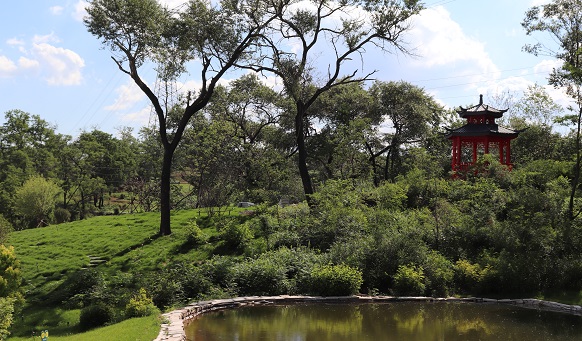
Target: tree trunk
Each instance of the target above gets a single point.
(165, 208)
(302, 152)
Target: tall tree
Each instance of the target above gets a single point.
(28, 146)
(140, 31)
(411, 114)
(345, 119)
(562, 21)
(252, 111)
(535, 114)
(332, 33)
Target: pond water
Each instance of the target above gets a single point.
(405, 321)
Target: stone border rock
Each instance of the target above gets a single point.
(173, 327)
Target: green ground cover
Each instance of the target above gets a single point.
(111, 244)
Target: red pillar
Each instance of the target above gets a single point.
(458, 153)
(454, 152)
(508, 154)
(501, 145)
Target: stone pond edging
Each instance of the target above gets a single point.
(173, 327)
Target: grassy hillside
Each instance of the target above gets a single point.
(112, 245)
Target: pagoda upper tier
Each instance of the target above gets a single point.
(480, 135)
(481, 122)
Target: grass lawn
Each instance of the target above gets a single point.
(143, 328)
(112, 244)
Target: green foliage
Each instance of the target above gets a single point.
(140, 305)
(194, 234)
(439, 274)
(96, 315)
(236, 235)
(5, 229)
(335, 280)
(409, 280)
(467, 276)
(176, 283)
(62, 215)
(78, 288)
(260, 276)
(391, 196)
(6, 316)
(36, 200)
(10, 275)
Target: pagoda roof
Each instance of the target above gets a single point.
(473, 129)
(481, 110)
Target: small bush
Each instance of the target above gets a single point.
(409, 281)
(166, 292)
(335, 280)
(194, 234)
(236, 235)
(96, 316)
(467, 275)
(62, 215)
(140, 305)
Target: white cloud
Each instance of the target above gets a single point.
(7, 67)
(15, 42)
(49, 38)
(56, 10)
(515, 85)
(26, 63)
(79, 10)
(441, 41)
(547, 65)
(141, 117)
(127, 96)
(60, 66)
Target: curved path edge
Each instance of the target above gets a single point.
(173, 327)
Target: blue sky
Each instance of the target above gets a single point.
(52, 67)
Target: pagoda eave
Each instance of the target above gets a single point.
(452, 134)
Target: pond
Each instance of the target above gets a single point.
(405, 321)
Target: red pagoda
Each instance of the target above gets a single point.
(481, 135)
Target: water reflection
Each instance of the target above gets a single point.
(405, 321)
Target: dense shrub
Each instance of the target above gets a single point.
(6, 316)
(176, 283)
(219, 270)
(166, 292)
(62, 215)
(140, 305)
(467, 276)
(260, 276)
(409, 280)
(96, 315)
(439, 274)
(335, 280)
(235, 235)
